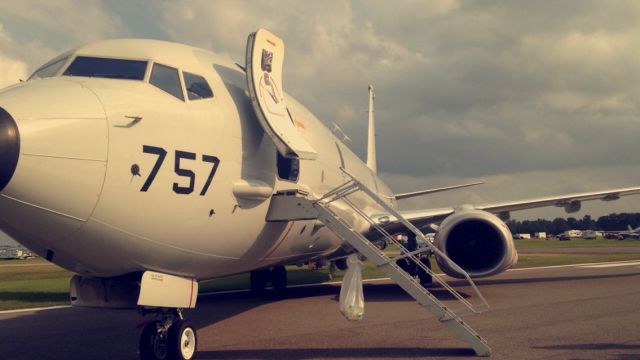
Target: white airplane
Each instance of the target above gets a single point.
(631, 232)
(146, 166)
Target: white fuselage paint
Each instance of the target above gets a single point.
(73, 193)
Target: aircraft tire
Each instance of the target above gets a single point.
(425, 277)
(279, 279)
(258, 281)
(182, 341)
(408, 266)
(341, 264)
(404, 265)
(152, 346)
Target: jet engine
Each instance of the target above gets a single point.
(477, 241)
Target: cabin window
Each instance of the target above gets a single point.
(48, 70)
(288, 169)
(166, 78)
(107, 68)
(197, 87)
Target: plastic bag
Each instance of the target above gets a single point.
(351, 294)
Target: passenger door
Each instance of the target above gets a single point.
(264, 59)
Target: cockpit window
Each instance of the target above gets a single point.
(107, 68)
(197, 86)
(48, 70)
(167, 79)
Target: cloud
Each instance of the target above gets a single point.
(11, 69)
(464, 90)
(330, 52)
(75, 20)
(519, 93)
(39, 30)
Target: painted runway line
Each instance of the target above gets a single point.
(34, 309)
(601, 266)
(584, 266)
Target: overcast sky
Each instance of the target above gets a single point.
(535, 98)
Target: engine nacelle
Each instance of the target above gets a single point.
(477, 241)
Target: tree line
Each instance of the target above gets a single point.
(611, 222)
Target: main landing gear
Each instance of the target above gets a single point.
(277, 276)
(412, 268)
(169, 337)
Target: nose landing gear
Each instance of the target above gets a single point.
(169, 338)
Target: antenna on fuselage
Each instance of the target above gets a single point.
(371, 139)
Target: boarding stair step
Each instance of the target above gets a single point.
(339, 198)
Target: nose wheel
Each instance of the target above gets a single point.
(171, 338)
(182, 340)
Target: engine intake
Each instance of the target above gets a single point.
(477, 241)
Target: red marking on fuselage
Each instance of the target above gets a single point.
(191, 294)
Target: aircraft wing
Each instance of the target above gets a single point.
(571, 203)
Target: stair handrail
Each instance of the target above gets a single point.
(353, 185)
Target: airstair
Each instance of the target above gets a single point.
(327, 209)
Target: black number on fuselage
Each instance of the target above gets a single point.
(183, 190)
(162, 153)
(184, 173)
(215, 161)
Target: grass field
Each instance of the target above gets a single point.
(32, 283)
(36, 283)
(574, 243)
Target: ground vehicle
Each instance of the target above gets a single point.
(613, 236)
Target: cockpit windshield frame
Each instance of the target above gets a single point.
(183, 85)
(107, 67)
(197, 86)
(168, 79)
(50, 69)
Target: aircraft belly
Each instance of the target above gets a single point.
(39, 229)
(122, 251)
(305, 245)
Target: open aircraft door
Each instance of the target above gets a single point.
(264, 59)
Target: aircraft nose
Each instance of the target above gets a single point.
(9, 147)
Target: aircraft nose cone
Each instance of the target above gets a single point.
(9, 147)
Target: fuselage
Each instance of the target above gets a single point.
(121, 175)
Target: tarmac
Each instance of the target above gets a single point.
(563, 312)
